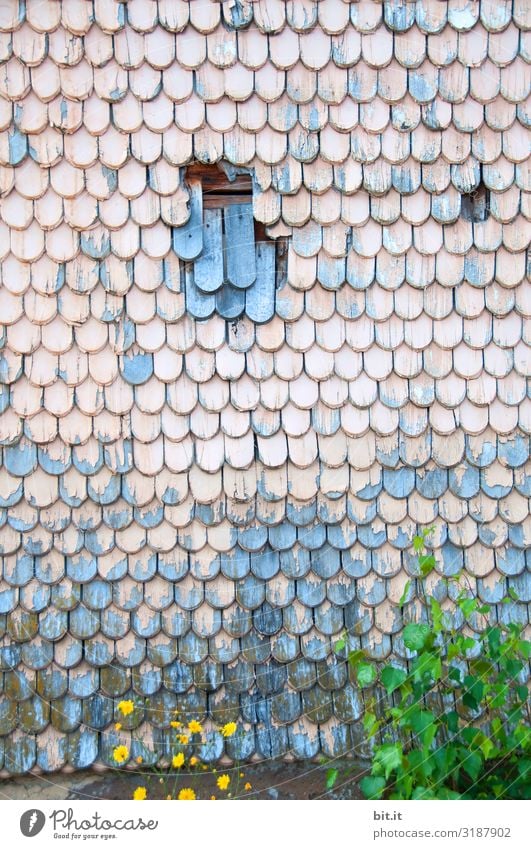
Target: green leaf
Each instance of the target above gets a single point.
(339, 645)
(418, 543)
(513, 667)
(370, 724)
(403, 597)
(424, 725)
(372, 786)
(422, 793)
(392, 678)
(451, 719)
(494, 641)
(389, 756)
(487, 747)
(455, 674)
(355, 657)
(366, 674)
(468, 605)
(475, 686)
(415, 635)
(331, 778)
(446, 794)
(436, 614)
(472, 763)
(524, 768)
(481, 667)
(426, 668)
(522, 692)
(444, 758)
(524, 647)
(453, 651)
(427, 564)
(496, 725)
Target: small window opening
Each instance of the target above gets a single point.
(229, 263)
(475, 205)
(220, 190)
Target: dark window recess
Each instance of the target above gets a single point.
(221, 189)
(475, 205)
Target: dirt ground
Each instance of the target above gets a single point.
(270, 781)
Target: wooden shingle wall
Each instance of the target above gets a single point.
(214, 453)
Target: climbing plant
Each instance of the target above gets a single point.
(456, 720)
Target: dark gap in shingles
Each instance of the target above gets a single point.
(260, 233)
(475, 205)
(281, 263)
(220, 191)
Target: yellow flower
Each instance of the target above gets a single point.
(204, 767)
(212, 798)
(168, 798)
(126, 707)
(121, 754)
(195, 727)
(193, 761)
(183, 739)
(139, 759)
(140, 794)
(248, 786)
(241, 774)
(117, 726)
(175, 724)
(229, 729)
(186, 793)
(223, 781)
(177, 760)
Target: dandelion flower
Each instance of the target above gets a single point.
(140, 794)
(117, 726)
(229, 729)
(248, 786)
(183, 739)
(126, 707)
(175, 724)
(195, 727)
(223, 781)
(186, 793)
(193, 761)
(120, 754)
(177, 760)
